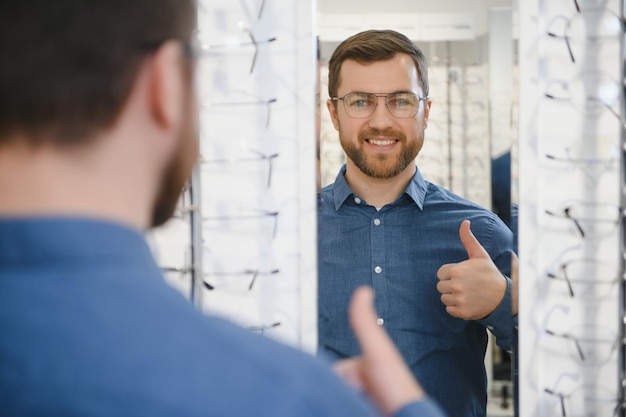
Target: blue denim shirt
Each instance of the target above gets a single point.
(397, 250)
(90, 328)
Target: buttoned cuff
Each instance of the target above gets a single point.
(501, 322)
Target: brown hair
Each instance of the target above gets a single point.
(373, 46)
(68, 65)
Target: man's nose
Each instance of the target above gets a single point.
(381, 117)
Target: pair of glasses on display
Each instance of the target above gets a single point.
(402, 105)
(245, 103)
(588, 345)
(595, 177)
(590, 220)
(245, 222)
(596, 159)
(584, 341)
(587, 30)
(252, 17)
(587, 278)
(209, 48)
(593, 348)
(260, 157)
(587, 401)
(590, 92)
(182, 212)
(259, 13)
(252, 274)
(264, 327)
(591, 167)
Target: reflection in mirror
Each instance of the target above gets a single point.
(468, 146)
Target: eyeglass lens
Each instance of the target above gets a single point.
(360, 105)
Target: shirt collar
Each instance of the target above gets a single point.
(416, 189)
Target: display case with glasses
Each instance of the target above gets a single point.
(176, 245)
(571, 188)
(242, 242)
(257, 103)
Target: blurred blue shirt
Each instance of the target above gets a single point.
(398, 250)
(89, 328)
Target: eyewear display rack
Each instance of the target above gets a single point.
(571, 191)
(244, 244)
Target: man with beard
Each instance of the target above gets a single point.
(382, 224)
(97, 138)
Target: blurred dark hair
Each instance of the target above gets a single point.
(67, 66)
(373, 46)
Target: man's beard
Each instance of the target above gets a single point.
(176, 174)
(381, 166)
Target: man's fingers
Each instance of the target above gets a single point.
(472, 245)
(350, 371)
(386, 379)
(363, 319)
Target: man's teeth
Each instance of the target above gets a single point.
(382, 142)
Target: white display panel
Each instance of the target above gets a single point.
(571, 218)
(255, 181)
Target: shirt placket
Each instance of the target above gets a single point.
(378, 266)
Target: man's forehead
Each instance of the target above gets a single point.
(396, 74)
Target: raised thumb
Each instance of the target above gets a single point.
(472, 245)
(363, 321)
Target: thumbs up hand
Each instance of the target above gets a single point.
(474, 288)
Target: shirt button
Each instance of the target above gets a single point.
(380, 321)
(378, 270)
(357, 200)
(377, 222)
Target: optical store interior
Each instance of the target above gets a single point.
(527, 120)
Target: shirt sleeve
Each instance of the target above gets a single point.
(424, 408)
(501, 322)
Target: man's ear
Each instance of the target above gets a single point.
(332, 109)
(167, 86)
(427, 105)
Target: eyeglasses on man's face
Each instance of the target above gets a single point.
(361, 105)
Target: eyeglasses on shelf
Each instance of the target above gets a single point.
(589, 92)
(260, 157)
(208, 49)
(590, 27)
(245, 103)
(252, 274)
(590, 219)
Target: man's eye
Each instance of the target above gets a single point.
(359, 103)
(403, 101)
